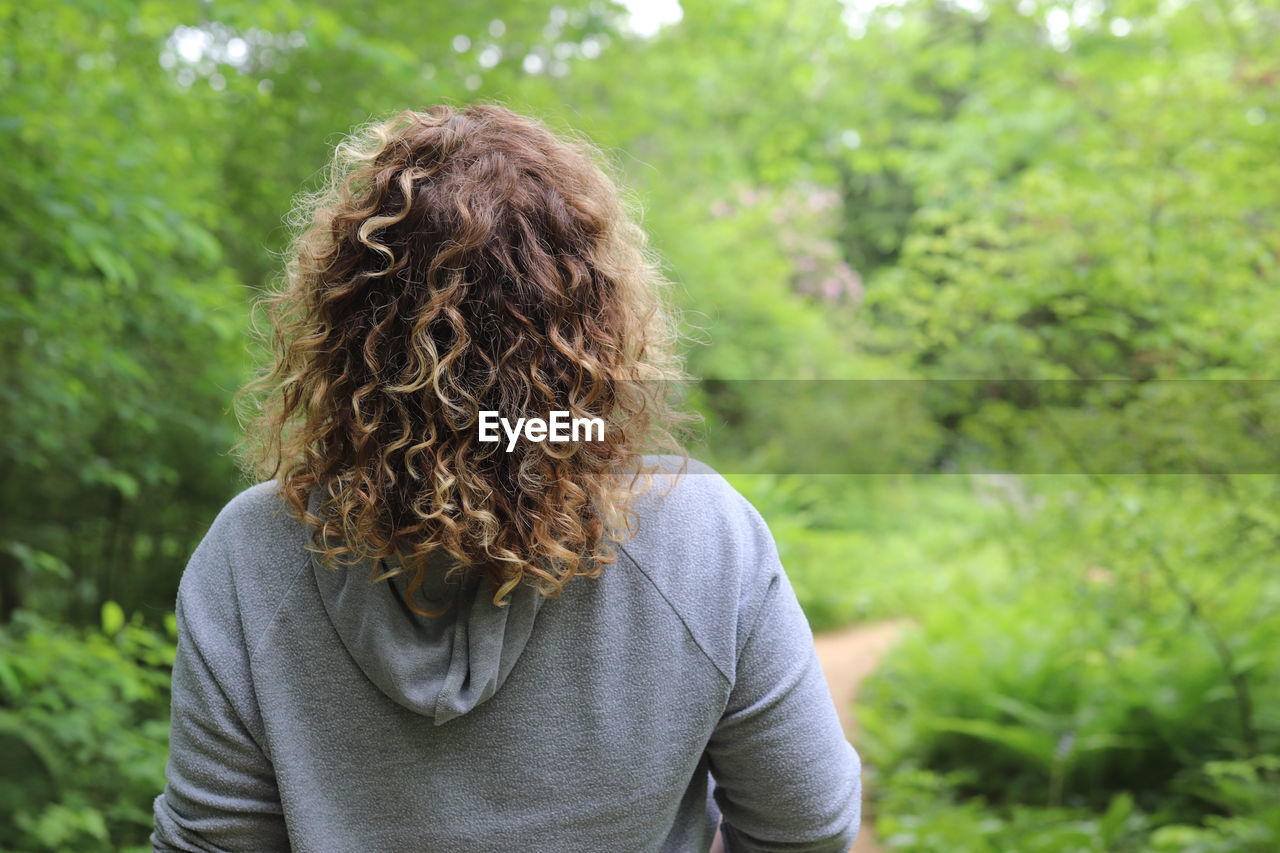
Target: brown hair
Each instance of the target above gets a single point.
(459, 260)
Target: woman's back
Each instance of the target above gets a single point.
(585, 722)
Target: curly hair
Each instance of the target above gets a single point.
(459, 260)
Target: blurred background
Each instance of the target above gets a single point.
(980, 199)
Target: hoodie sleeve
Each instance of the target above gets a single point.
(787, 779)
(220, 792)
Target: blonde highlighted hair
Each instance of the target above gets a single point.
(459, 260)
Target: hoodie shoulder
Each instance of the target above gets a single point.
(708, 551)
(252, 553)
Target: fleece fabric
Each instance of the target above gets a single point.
(314, 711)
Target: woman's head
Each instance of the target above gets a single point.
(459, 261)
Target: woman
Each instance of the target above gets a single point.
(414, 637)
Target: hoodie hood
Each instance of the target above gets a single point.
(437, 666)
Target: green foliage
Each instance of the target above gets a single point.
(1122, 655)
(926, 190)
(1083, 218)
(922, 812)
(83, 732)
(119, 320)
(872, 547)
(1249, 791)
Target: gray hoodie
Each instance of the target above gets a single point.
(313, 710)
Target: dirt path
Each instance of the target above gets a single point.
(847, 657)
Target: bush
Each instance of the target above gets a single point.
(84, 717)
(1126, 664)
(873, 546)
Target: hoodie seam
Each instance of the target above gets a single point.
(275, 614)
(663, 595)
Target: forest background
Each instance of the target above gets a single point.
(1024, 255)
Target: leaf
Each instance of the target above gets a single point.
(115, 268)
(1032, 744)
(38, 562)
(9, 679)
(1117, 813)
(1024, 712)
(14, 727)
(112, 618)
